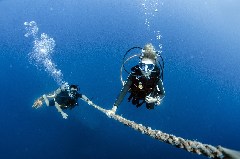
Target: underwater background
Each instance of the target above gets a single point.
(199, 41)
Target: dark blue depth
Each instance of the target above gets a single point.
(201, 77)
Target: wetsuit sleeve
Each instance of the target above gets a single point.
(123, 92)
(85, 98)
(79, 95)
(54, 94)
(58, 91)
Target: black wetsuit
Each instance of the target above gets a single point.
(65, 101)
(140, 86)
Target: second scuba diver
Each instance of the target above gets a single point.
(65, 97)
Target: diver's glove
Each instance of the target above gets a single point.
(64, 115)
(38, 103)
(149, 99)
(112, 111)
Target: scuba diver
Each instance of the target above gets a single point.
(65, 97)
(144, 83)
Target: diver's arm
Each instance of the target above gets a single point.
(85, 98)
(122, 94)
(64, 115)
(51, 95)
(54, 94)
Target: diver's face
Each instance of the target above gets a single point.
(74, 90)
(146, 66)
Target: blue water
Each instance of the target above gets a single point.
(200, 45)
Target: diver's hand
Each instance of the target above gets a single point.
(109, 113)
(64, 115)
(38, 103)
(149, 99)
(112, 111)
(90, 102)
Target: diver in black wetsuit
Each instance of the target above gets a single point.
(65, 97)
(144, 83)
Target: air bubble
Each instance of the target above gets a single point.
(42, 50)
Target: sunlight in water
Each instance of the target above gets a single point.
(42, 50)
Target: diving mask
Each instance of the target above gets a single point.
(146, 67)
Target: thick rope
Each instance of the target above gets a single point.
(188, 145)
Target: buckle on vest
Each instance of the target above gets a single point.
(140, 86)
